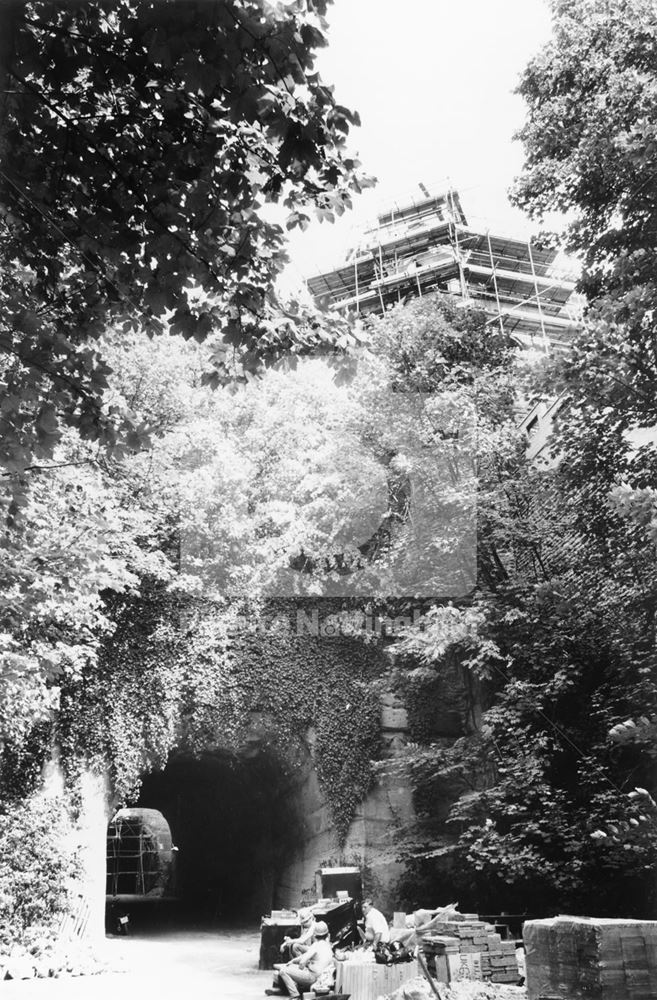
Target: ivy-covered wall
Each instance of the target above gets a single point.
(287, 679)
(183, 675)
(299, 683)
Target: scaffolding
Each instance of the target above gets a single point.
(139, 854)
(427, 245)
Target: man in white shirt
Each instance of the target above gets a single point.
(376, 925)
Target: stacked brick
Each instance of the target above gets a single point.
(474, 937)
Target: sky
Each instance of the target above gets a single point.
(433, 82)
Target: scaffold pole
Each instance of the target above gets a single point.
(497, 294)
(546, 343)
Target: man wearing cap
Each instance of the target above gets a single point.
(301, 944)
(301, 973)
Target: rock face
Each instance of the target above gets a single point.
(579, 958)
(369, 841)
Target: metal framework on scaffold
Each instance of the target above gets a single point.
(427, 245)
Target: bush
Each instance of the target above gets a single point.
(38, 860)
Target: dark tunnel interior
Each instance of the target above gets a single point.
(234, 829)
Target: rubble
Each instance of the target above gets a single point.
(52, 960)
(419, 989)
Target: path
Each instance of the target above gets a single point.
(181, 965)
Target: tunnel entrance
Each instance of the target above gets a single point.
(232, 821)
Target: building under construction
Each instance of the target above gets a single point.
(427, 245)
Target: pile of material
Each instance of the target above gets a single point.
(419, 989)
(589, 958)
(461, 938)
(52, 960)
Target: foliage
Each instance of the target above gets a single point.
(178, 668)
(235, 499)
(309, 480)
(540, 788)
(298, 483)
(149, 598)
(37, 863)
(348, 742)
(229, 493)
(595, 88)
(75, 540)
(140, 143)
(183, 674)
(591, 95)
(534, 803)
(22, 761)
(560, 643)
(590, 151)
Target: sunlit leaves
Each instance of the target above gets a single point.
(140, 141)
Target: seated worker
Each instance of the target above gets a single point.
(376, 925)
(302, 973)
(297, 946)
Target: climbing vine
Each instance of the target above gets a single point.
(181, 674)
(37, 863)
(348, 738)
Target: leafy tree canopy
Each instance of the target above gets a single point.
(590, 151)
(589, 139)
(293, 485)
(140, 141)
(549, 790)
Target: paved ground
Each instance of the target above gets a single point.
(181, 965)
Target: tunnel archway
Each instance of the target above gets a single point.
(233, 822)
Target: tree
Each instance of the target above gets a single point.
(536, 802)
(293, 485)
(589, 138)
(591, 151)
(140, 141)
(549, 809)
(298, 483)
(76, 542)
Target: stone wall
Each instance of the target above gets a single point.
(91, 832)
(369, 842)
